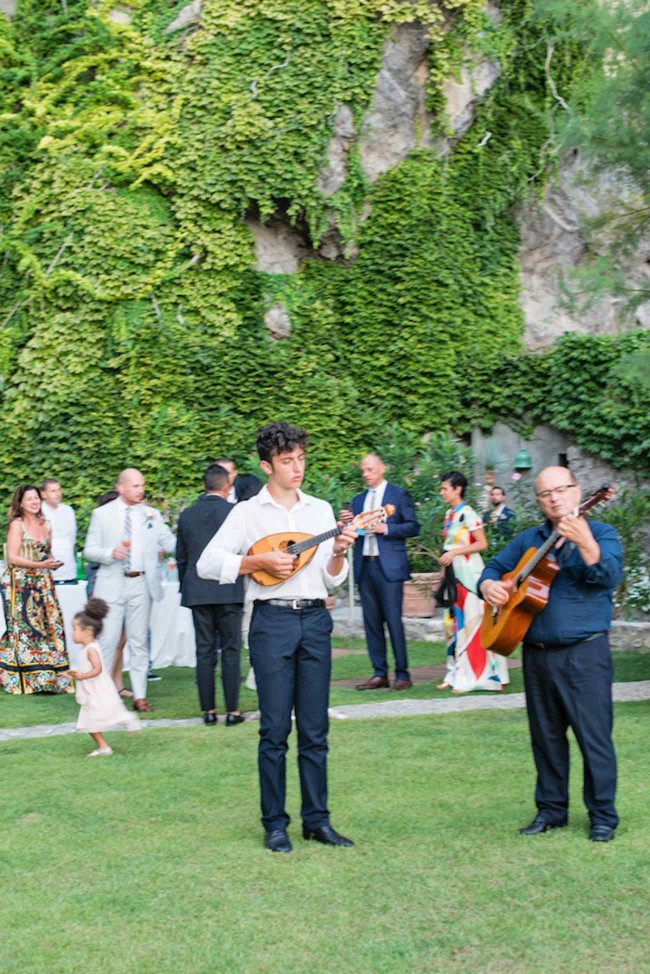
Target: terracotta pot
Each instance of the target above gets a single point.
(418, 600)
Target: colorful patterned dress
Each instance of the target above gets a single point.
(33, 657)
(469, 665)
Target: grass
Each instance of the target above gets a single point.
(176, 697)
(151, 861)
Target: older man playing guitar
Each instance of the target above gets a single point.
(568, 668)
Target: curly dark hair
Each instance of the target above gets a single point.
(279, 438)
(92, 615)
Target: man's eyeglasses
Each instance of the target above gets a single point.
(545, 494)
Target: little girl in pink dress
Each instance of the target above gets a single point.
(101, 706)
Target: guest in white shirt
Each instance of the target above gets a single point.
(289, 638)
(125, 538)
(64, 531)
(229, 464)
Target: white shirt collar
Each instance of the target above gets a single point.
(380, 488)
(264, 497)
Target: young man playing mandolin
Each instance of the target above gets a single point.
(568, 667)
(289, 638)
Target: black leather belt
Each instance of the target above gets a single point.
(371, 557)
(133, 574)
(295, 604)
(578, 642)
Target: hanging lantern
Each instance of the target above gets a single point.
(523, 460)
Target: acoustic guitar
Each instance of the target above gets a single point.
(503, 628)
(304, 546)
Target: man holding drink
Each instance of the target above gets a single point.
(126, 538)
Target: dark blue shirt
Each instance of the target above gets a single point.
(580, 602)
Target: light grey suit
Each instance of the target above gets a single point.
(129, 599)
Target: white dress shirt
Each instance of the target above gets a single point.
(373, 500)
(64, 538)
(251, 520)
(136, 550)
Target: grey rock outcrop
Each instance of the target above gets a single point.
(277, 321)
(462, 94)
(552, 246)
(119, 16)
(333, 174)
(8, 8)
(187, 17)
(279, 248)
(393, 125)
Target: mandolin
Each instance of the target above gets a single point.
(504, 627)
(304, 546)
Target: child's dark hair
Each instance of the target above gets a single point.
(92, 614)
(456, 479)
(279, 438)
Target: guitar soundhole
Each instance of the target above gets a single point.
(287, 544)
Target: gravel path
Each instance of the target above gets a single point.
(622, 693)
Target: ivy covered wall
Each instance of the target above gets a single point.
(132, 160)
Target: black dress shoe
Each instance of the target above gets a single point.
(539, 825)
(326, 835)
(209, 718)
(232, 719)
(601, 833)
(277, 841)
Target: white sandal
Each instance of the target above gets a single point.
(101, 752)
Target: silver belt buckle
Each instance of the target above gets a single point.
(295, 604)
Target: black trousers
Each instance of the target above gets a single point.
(381, 603)
(572, 687)
(291, 654)
(218, 627)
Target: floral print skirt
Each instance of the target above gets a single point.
(33, 657)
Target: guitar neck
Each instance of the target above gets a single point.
(299, 546)
(541, 552)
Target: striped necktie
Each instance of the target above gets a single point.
(127, 537)
(372, 539)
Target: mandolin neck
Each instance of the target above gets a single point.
(300, 546)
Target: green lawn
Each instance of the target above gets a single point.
(151, 862)
(175, 696)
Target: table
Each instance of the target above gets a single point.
(172, 630)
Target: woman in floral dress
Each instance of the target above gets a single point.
(469, 665)
(33, 657)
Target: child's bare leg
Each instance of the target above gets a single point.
(99, 740)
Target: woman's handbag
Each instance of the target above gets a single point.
(447, 592)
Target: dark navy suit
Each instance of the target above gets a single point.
(381, 581)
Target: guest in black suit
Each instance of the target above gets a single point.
(380, 569)
(216, 609)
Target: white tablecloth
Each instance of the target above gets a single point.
(172, 631)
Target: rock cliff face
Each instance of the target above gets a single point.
(552, 246)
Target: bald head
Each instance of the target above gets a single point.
(372, 470)
(552, 473)
(557, 492)
(130, 486)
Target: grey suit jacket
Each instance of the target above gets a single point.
(106, 532)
